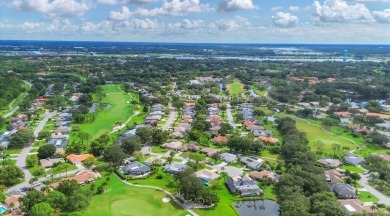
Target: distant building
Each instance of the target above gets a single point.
(135, 168)
(244, 186)
(353, 159)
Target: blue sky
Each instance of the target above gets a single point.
(237, 21)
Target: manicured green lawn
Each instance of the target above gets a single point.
(159, 150)
(124, 200)
(235, 88)
(365, 196)
(352, 169)
(258, 91)
(121, 109)
(269, 193)
(315, 134)
(268, 154)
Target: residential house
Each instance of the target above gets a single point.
(254, 127)
(210, 151)
(18, 126)
(344, 191)
(154, 160)
(206, 176)
(355, 206)
(252, 163)
(329, 162)
(177, 134)
(333, 176)
(60, 144)
(189, 147)
(267, 139)
(244, 186)
(82, 177)
(384, 156)
(343, 114)
(379, 115)
(186, 117)
(78, 159)
(215, 120)
(12, 201)
(228, 157)
(62, 123)
(220, 139)
(174, 167)
(385, 108)
(264, 174)
(353, 159)
(266, 133)
(135, 168)
(187, 126)
(63, 130)
(174, 145)
(49, 162)
(215, 129)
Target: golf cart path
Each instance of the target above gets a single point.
(162, 190)
(13, 110)
(115, 129)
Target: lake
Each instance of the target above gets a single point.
(257, 207)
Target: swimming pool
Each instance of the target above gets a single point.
(2, 209)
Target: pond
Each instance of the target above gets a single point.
(257, 207)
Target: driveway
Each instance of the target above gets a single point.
(230, 170)
(171, 118)
(230, 116)
(364, 182)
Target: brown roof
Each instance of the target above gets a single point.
(385, 156)
(189, 147)
(259, 175)
(381, 116)
(78, 158)
(81, 177)
(268, 139)
(354, 206)
(189, 104)
(221, 139)
(215, 119)
(210, 151)
(254, 127)
(343, 114)
(13, 199)
(187, 117)
(333, 175)
(248, 122)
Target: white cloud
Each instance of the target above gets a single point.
(139, 2)
(175, 8)
(145, 23)
(373, 0)
(123, 14)
(284, 20)
(228, 25)
(107, 2)
(382, 16)
(187, 24)
(277, 8)
(340, 11)
(30, 25)
(235, 5)
(55, 8)
(293, 8)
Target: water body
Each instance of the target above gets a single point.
(257, 207)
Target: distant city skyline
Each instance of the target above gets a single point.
(198, 21)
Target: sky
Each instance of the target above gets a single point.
(211, 21)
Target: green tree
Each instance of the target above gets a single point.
(42, 209)
(46, 151)
(32, 198)
(22, 139)
(131, 144)
(114, 155)
(44, 135)
(145, 134)
(56, 199)
(2, 121)
(10, 175)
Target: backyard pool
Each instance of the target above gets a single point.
(2, 209)
(257, 207)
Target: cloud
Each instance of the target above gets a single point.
(293, 8)
(187, 24)
(229, 25)
(373, 0)
(382, 16)
(175, 8)
(30, 25)
(55, 8)
(123, 14)
(284, 20)
(235, 5)
(139, 2)
(277, 8)
(107, 2)
(340, 11)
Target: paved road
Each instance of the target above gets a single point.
(364, 182)
(171, 118)
(230, 116)
(184, 206)
(21, 161)
(10, 113)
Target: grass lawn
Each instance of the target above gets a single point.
(119, 111)
(124, 200)
(13, 151)
(269, 193)
(365, 196)
(352, 169)
(235, 88)
(315, 134)
(268, 154)
(167, 181)
(158, 150)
